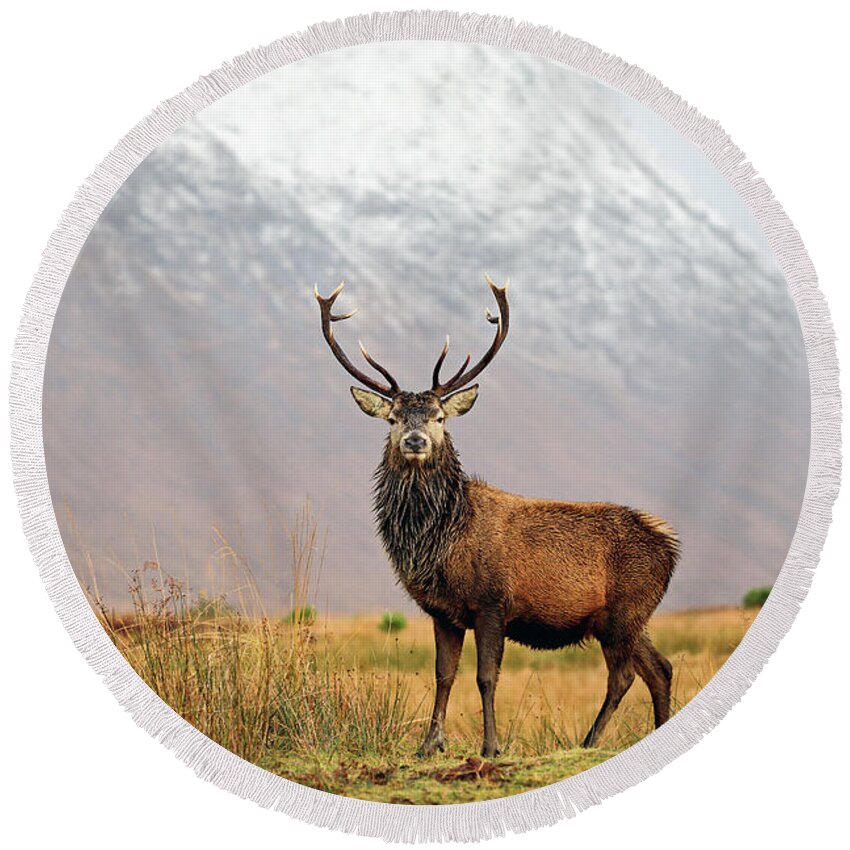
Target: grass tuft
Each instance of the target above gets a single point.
(392, 621)
(756, 597)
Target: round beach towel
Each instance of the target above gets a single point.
(426, 410)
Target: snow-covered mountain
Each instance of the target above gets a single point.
(654, 359)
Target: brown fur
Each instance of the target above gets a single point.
(555, 574)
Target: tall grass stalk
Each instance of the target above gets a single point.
(253, 683)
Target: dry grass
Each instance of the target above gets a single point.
(339, 703)
(545, 700)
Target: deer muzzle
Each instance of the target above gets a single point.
(415, 444)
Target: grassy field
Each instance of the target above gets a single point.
(342, 703)
(338, 704)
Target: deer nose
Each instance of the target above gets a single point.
(414, 442)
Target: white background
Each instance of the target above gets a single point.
(76, 78)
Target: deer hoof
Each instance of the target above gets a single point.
(431, 745)
(491, 750)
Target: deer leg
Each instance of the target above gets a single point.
(657, 672)
(449, 641)
(490, 644)
(621, 674)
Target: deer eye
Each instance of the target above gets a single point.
(441, 419)
(391, 420)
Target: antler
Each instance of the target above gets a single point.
(461, 378)
(325, 305)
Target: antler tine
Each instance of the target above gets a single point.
(435, 378)
(325, 305)
(436, 386)
(377, 366)
(461, 378)
(459, 372)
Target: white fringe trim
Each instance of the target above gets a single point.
(409, 823)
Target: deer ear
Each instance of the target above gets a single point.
(460, 402)
(372, 404)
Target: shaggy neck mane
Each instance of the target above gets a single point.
(421, 512)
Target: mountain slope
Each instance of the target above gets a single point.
(655, 357)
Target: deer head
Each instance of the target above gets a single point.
(416, 420)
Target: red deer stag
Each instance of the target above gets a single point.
(545, 574)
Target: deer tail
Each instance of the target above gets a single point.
(666, 536)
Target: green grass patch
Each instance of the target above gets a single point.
(756, 597)
(456, 777)
(304, 616)
(392, 622)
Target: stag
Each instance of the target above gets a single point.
(546, 574)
